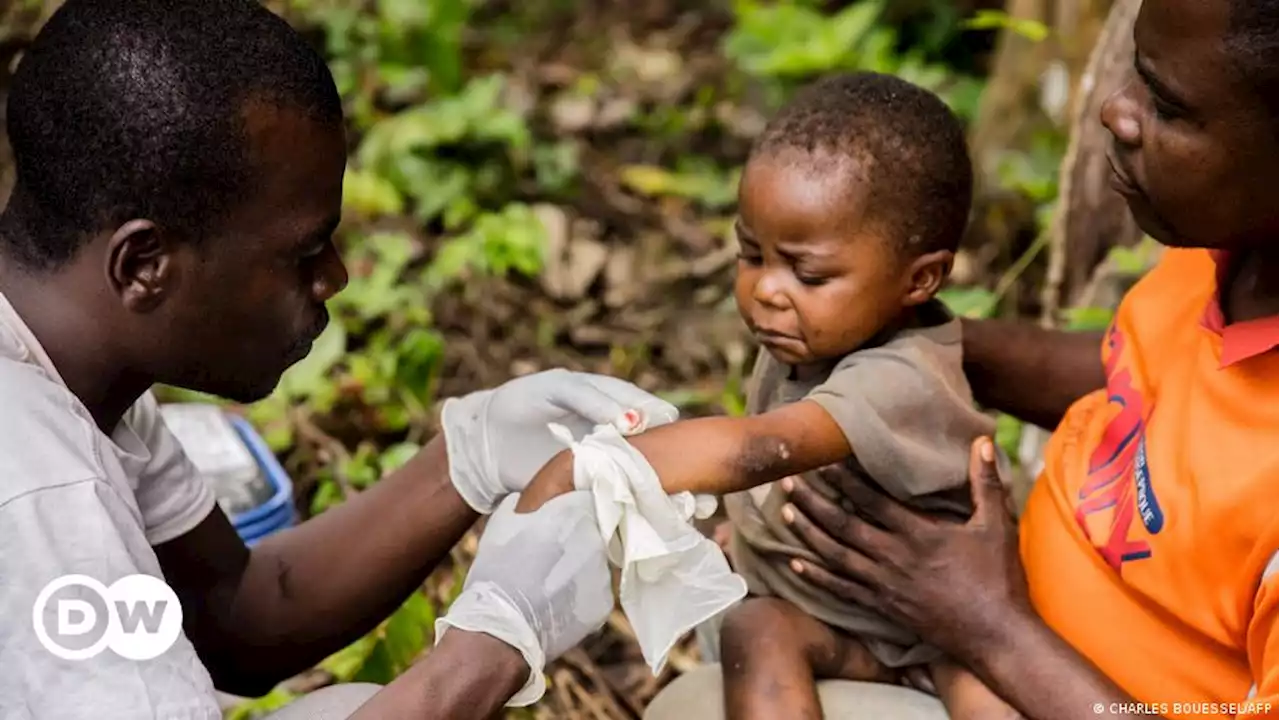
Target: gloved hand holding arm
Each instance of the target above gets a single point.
(306, 593)
(539, 585)
(498, 439)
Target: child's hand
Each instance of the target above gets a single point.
(554, 479)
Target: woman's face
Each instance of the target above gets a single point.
(1194, 148)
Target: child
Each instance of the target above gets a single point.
(851, 208)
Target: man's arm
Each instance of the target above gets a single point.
(719, 455)
(468, 675)
(259, 617)
(1030, 372)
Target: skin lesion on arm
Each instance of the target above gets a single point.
(718, 455)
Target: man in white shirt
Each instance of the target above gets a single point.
(179, 175)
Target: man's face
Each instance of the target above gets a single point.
(251, 299)
(814, 283)
(1194, 151)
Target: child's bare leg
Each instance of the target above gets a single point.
(965, 696)
(772, 653)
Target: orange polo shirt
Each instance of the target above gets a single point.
(1150, 539)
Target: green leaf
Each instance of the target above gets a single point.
(406, 631)
(969, 302)
(378, 667)
(327, 495)
(1087, 318)
(394, 457)
(1134, 261)
(1008, 434)
(370, 195)
(345, 663)
(1033, 30)
(259, 707)
(420, 353)
(311, 374)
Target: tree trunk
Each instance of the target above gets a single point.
(1033, 87)
(1091, 218)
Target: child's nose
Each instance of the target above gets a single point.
(768, 291)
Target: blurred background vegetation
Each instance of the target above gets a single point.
(552, 183)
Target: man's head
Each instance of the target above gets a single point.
(1194, 131)
(851, 208)
(179, 172)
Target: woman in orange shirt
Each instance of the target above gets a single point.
(1142, 579)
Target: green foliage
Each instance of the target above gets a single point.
(1000, 20)
(695, 179)
(498, 243)
(414, 151)
(1034, 173)
(969, 301)
(390, 51)
(792, 42)
(390, 649)
(261, 707)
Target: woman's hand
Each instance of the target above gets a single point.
(956, 584)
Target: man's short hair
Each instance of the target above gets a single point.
(908, 145)
(123, 109)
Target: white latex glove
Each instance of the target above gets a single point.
(540, 583)
(498, 439)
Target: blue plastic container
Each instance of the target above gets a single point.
(275, 514)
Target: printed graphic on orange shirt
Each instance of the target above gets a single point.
(1119, 483)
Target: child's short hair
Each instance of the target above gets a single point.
(908, 144)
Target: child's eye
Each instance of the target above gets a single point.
(748, 258)
(811, 280)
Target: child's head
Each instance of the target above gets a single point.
(1193, 147)
(851, 207)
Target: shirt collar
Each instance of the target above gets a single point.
(1240, 340)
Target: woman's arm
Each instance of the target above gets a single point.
(1030, 372)
(719, 455)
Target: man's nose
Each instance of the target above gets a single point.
(332, 277)
(1120, 116)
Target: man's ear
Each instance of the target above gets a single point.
(140, 265)
(926, 274)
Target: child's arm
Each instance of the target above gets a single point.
(719, 455)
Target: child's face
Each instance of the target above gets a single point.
(1193, 150)
(814, 282)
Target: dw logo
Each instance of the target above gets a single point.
(76, 617)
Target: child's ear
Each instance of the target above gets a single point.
(926, 274)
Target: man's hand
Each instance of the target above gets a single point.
(498, 439)
(953, 583)
(540, 582)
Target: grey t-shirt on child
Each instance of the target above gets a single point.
(908, 414)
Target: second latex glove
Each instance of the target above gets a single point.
(540, 583)
(498, 439)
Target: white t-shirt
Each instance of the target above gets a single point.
(75, 501)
